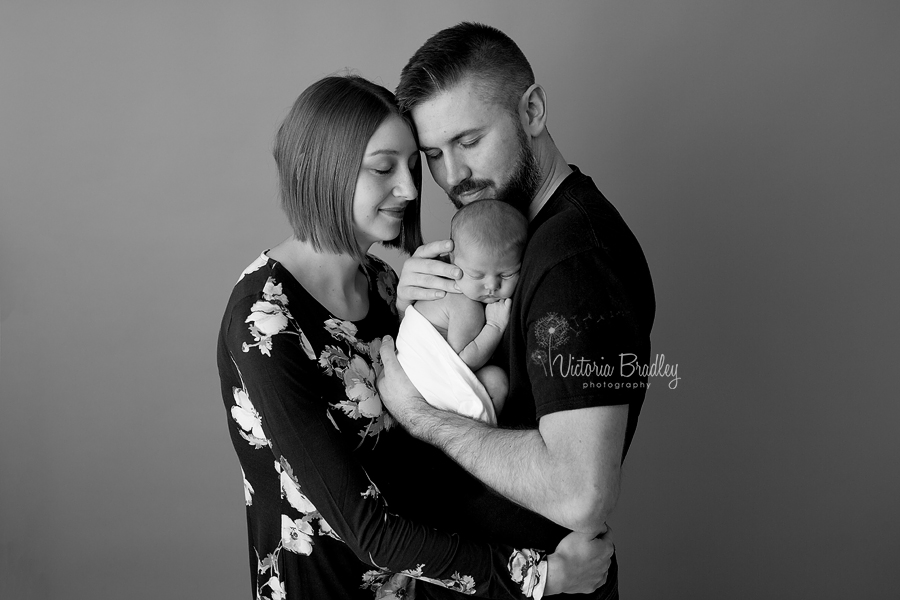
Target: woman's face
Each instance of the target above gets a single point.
(385, 184)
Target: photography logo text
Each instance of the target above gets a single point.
(553, 331)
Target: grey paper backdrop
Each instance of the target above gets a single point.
(753, 147)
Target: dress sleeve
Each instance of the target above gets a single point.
(282, 407)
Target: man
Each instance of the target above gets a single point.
(584, 304)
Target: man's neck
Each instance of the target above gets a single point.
(554, 168)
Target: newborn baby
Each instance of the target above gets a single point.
(488, 240)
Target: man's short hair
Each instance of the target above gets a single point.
(462, 51)
(492, 225)
(319, 149)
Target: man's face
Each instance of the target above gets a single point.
(476, 149)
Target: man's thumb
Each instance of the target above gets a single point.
(387, 346)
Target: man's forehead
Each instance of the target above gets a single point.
(447, 113)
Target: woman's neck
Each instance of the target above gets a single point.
(334, 280)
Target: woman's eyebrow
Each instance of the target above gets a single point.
(389, 151)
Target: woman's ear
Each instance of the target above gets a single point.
(533, 110)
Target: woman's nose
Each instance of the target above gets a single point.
(406, 187)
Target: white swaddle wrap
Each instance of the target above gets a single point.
(440, 375)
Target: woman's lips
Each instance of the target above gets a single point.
(394, 211)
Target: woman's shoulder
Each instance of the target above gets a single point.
(261, 261)
(376, 266)
(383, 279)
(265, 281)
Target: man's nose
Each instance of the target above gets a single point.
(456, 170)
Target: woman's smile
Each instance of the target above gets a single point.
(394, 211)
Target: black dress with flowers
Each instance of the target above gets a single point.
(328, 483)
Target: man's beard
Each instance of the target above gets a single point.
(519, 191)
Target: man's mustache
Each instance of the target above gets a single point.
(469, 185)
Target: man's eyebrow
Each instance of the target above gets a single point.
(455, 138)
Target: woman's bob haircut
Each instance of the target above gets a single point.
(319, 149)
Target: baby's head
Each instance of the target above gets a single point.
(488, 240)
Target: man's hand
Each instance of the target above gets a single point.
(425, 278)
(398, 394)
(497, 313)
(579, 564)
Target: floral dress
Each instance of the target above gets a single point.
(323, 465)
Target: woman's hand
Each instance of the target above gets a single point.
(425, 278)
(579, 564)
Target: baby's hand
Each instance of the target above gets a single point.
(497, 313)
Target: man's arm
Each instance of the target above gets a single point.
(566, 470)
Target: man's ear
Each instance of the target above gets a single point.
(533, 110)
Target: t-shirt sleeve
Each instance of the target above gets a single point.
(583, 339)
(280, 409)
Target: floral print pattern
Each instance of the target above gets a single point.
(245, 415)
(290, 488)
(387, 288)
(358, 365)
(262, 333)
(523, 568)
(248, 490)
(256, 265)
(377, 578)
(269, 317)
(296, 535)
(269, 564)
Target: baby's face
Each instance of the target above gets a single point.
(487, 276)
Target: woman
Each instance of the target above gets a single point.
(298, 356)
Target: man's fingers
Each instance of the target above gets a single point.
(433, 249)
(388, 352)
(411, 294)
(424, 267)
(433, 282)
(426, 280)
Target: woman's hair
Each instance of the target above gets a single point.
(319, 149)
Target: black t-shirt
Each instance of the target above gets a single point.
(584, 298)
(584, 304)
